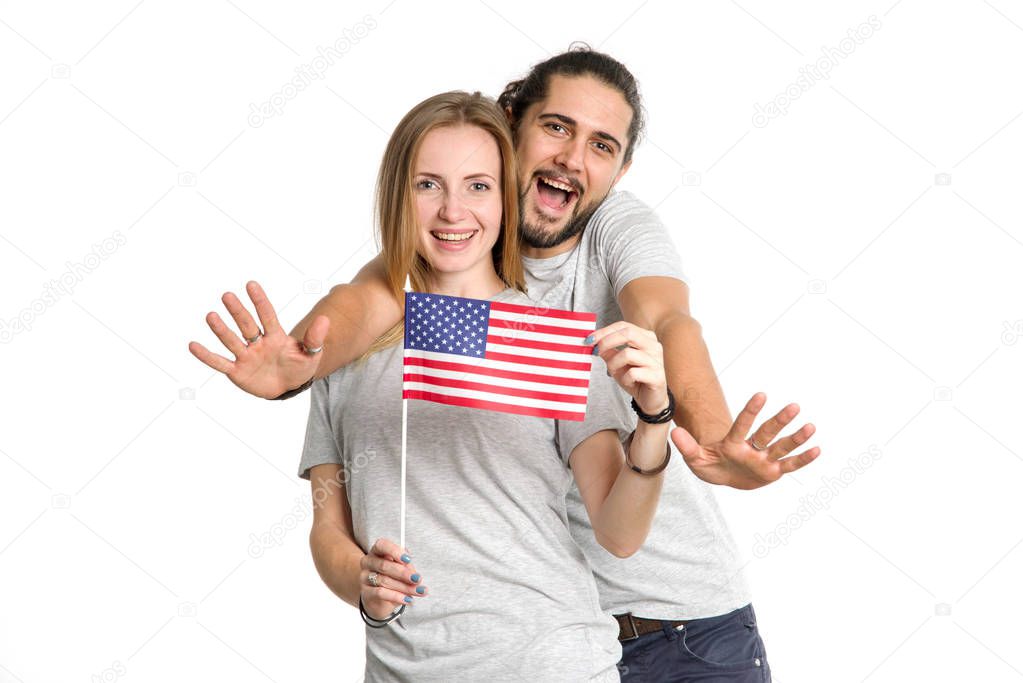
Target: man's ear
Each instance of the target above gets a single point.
(625, 167)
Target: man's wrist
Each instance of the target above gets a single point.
(296, 391)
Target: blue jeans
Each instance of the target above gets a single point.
(724, 649)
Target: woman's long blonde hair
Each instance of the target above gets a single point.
(395, 199)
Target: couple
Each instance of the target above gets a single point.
(513, 597)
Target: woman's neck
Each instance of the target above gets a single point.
(470, 285)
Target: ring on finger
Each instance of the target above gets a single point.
(311, 351)
(753, 442)
(373, 579)
(253, 340)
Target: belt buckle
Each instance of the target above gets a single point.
(632, 623)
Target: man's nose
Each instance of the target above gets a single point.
(571, 155)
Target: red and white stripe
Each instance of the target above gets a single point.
(536, 364)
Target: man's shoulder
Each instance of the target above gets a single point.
(619, 203)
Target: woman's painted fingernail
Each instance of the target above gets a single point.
(596, 350)
(420, 589)
(406, 559)
(588, 340)
(415, 578)
(408, 598)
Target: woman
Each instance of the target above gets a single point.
(510, 595)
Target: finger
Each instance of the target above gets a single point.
(385, 547)
(766, 432)
(799, 461)
(316, 334)
(381, 602)
(741, 426)
(246, 325)
(264, 309)
(638, 358)
(684, 442)
(386, 567)
(225, 335)
(413, 589)
(215, 361)
(788, 444)
(623, 334)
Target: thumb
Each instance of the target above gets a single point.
(316, 333)
(684, 442)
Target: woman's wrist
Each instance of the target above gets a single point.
(647, 447)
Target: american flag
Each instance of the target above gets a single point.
(527, 360)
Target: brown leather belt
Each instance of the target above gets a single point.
(630, 627)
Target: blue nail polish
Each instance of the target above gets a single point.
(408, 598)
(588, 340)
(415, 578)
(420, 589)
(406, 559)
(596, 350)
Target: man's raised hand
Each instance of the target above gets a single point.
(270, 362)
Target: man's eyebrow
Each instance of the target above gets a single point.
(568, 121)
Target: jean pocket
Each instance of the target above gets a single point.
(730, 641)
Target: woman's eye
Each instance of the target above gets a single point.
(426, 185)
(480, 187)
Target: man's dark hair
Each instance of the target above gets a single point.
(579, 60)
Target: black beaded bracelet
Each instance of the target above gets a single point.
(373, 622)
(659, 418)
(296, 391)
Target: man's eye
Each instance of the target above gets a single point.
(602, 147)
(556, 127)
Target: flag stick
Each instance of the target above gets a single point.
(404, 441)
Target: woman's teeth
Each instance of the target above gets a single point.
(454, 236)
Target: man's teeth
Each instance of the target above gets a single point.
(556, 184)
(454, 236)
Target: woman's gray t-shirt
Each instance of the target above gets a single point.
(511, 596)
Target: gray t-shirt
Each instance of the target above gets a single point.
(511, 596)
(689, 567)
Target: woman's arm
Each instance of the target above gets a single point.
(342, 564)
(620, 502)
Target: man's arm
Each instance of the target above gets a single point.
(718, 450)
(359, 312)
(661, 304)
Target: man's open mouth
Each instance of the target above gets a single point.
(555, 193)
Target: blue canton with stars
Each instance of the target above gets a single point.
(446, 324)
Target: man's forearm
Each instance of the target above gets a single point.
(337, 559)
(700, 405)
(353, 327)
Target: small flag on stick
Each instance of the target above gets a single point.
(491, 355)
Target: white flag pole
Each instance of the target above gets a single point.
(404, 439)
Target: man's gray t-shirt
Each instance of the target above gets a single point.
(689, 567)
(511, 596)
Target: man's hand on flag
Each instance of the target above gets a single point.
(395, 577)
(272, 364)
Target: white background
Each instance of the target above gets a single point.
(832, 264)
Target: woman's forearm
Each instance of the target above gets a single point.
(624, 519)
(337, 558)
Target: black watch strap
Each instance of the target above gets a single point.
(296, 391)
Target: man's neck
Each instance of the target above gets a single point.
(548, 252)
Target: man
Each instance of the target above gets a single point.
(681, 602)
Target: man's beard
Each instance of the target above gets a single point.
(535, 236)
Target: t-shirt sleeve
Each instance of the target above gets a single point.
(320, 446)
(632, 242)
(607, 407)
